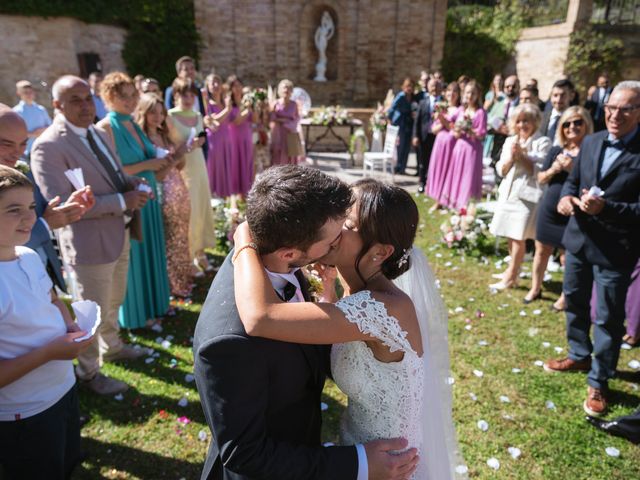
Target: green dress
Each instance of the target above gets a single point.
(147, 281)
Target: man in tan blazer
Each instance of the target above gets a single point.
(96, 247)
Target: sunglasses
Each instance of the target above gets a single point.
(578, 123)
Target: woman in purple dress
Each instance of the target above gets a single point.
(241, 137)
(469, 126)
(442, 147)
(219, 154)
(285, 140)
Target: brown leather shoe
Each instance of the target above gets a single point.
(568, 365)
(596, 402)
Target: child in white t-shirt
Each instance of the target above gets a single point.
(39, 421)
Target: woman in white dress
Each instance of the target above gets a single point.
(519, 193)
(390, 347)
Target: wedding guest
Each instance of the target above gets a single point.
(34, 115)
(95, 79)
(519, 193)
(499, 114)
(96, 246)
(186, 70)
(440, 162)
(261, 130)
(240, 135)
(150, 115)
(285, 140)
(575, 124)
(50, 215)
(423, 137)
(462, 82)
(597, 97)
(39, 418)
(184, 122)
(147, 299)
(558, 103)
(402, 114)
(602, 240)
(469, 126)
(151, 85)
(137, 80)
(220, 154)
(495, 93)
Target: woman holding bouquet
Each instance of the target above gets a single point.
(285, 140)
(519, 193)
(147, 298)
(241, 136)
(443, 145)
(219, 154)
(469, 126)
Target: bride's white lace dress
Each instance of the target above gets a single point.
(385, 399)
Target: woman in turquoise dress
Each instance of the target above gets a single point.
(147, 298)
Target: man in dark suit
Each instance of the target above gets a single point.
(597, 97)
(261, 398)
(602, 239)
(423, 138)
(51, 215)
(559, 101)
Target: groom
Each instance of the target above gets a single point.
(261, 398)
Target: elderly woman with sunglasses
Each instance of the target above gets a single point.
(575, 123)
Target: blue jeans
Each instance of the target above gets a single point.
(611, 289)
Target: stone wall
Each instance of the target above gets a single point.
(42, 49)
(375, 45)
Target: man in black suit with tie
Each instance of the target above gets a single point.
(597, 97)
(559, 101)
(423, 138)
(261, 397)
(602, 239)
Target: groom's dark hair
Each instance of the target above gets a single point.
(288, 205)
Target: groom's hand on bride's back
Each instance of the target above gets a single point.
(385, 464)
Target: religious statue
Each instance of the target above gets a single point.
(323, 34)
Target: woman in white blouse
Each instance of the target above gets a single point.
(519, 193)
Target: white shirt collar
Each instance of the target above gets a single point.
(81, 132)
(280, 280)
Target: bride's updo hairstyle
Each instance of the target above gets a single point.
(386, 214)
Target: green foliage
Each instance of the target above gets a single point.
(159, 31)
(591, 51)
(479, 39)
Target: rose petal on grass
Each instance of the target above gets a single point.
(478, 373)
(166, 344)
(462, 469)
(184, 420)
(202, 436)
(558, 349)
(504, 399)
(324, 407)
(156, 327)
(537, 311)
(550, 405)
(467, 327)
(159, 340)
(546, 344)
(523, 313)
(459, 309)
(189, 378)
(119, 397)
(493, 463)
(539, 363)
(149, 360)
(635, 364)
(483, 343)
(183, 402)
(612, 451)
(473, 396)
(515, 370)
(625, 346)
(515, 452)
(483, 425)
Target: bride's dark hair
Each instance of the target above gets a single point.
(386, 214)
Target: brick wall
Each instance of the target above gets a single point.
(376, 43)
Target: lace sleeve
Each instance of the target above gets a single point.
(372, 318)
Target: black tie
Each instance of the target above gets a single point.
(106, 163)
(288, 292)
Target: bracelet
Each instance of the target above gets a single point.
(250, 245)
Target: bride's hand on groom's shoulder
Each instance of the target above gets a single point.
(327, 275)
(386, 464)
(242, 235)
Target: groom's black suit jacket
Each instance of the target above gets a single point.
(261, 399)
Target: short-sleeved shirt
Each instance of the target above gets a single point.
(29, 320)
(35, 116)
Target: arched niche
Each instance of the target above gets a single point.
(310, 20)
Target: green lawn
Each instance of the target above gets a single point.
(141, 435)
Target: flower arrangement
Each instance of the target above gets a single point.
(227, 219)
(464, 124)
(332, 115)
(440, 107)
(467, 232)
(378, 121)
(254, 98)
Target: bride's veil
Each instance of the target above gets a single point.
(440, 452)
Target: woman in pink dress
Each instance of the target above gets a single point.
(240, 134)
(219, 155)
(442, 147)
(285, 120)
(469, 126)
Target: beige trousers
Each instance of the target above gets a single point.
(105, 284)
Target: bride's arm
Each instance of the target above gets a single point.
(263, 314)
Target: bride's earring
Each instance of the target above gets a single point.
(375, 259)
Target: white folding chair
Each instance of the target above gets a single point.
(385, 160)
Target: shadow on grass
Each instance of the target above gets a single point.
(132, 461)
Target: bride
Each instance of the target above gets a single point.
(390, 352)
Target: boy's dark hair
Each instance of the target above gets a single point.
(184, 59)
(288, 205)
(564, 83)
(12, 178)
(532, 90)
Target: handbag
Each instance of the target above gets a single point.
(529, 190)
(294, 147)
